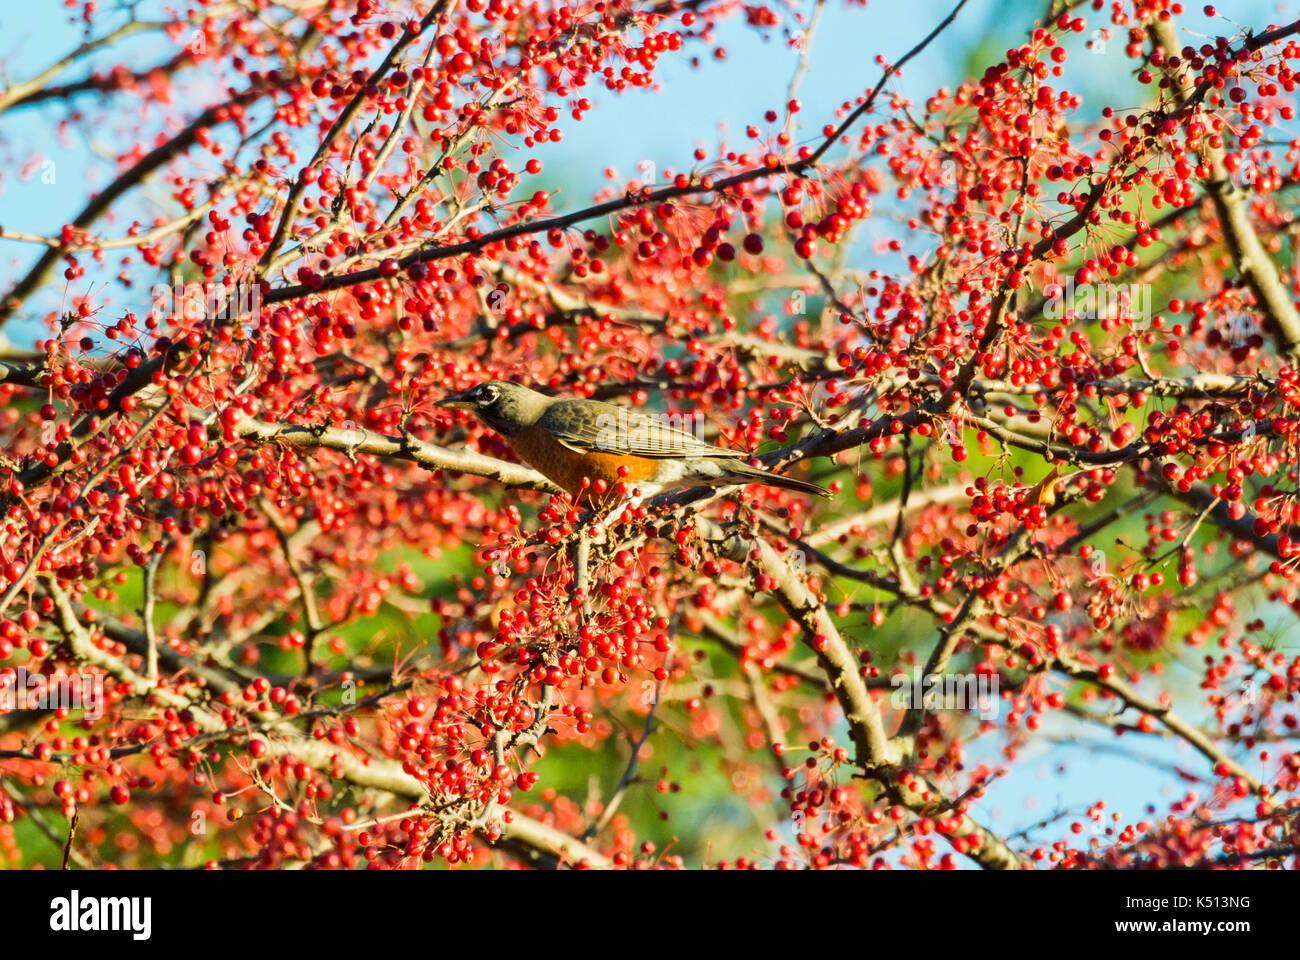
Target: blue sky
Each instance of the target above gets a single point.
(664, 127)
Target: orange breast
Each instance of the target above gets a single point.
(566, 468)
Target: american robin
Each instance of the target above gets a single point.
(569, 439)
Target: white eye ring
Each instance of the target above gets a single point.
(489, 394)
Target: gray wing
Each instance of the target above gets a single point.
(608, 428)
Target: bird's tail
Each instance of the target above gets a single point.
(744, 473)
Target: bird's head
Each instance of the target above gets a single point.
(505, 407)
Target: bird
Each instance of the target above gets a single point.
(569, 440)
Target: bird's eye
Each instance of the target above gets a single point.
(487, 394)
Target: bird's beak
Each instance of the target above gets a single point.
(456, 401)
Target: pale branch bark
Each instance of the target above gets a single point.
(1194, 386)
(536, 841)
(216, 677)
(371, 772)
(147, 614)
(82, 644)
(382, 774)
(875, 750)
(1131, 453)
(878, 756)
(1252, 260)
(356, 440)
